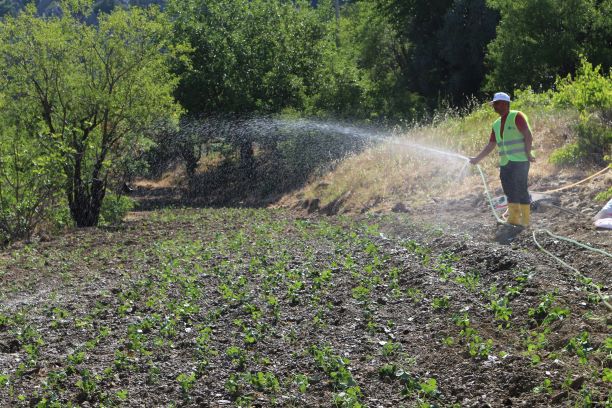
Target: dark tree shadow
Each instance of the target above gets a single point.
(264, 159)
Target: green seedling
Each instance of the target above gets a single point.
(544, 313)
(470, 280)
(237, 356)
(441, 303)
(390, 348)
(502, 311)
(186, 382)
(581, 346)
(545, 387)
(302, 382)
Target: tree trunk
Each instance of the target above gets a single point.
(247, 160)
(85, 205)
(85, 202)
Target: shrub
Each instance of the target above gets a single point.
(28, 183)
(567, 155)
(115, 208)
(590, 93)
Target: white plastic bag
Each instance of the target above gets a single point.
(606, 211)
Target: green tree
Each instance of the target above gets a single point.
(28, 181)
(540, 39)
(87, 93)
(469, 25)
(445, 43)
(361, 73)
(248, 55)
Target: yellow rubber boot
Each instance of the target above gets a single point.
(525, 214)
(514, 214)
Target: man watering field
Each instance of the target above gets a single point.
(512, 136)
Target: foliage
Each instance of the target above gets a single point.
(88, 94)
(247, 55)
(590, 93)
(443, 45)
(28, 181)
(540, 39)
(114, 208)
(604, 195)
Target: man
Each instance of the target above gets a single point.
(512, 136)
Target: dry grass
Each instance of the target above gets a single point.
(173, 177)
(387, 174)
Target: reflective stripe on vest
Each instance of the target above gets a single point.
(512, 146)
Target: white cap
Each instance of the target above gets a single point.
(501, 96)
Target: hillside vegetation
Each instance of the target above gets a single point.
(571, 127)
(97, 94)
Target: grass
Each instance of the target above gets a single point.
(387, 174)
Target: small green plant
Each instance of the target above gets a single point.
(186, 382)
(606, 375)
(441, 303)
(536, 341)
(263, 381)
(4, 380)
(502, 311)
(545, 387)
(422, 252)
(581, 346)
(349, 398)
(477, 347)
(415, 295)
(361, 293)
(238, 356)
(390, 348)
(387, 371)
(544, 313)
(470, 280)
(87, 385)
(444, 270)
(302, 382)
(604, 195)
(334, 366)
(122, 395)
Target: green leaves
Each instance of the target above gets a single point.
(540, 39)
(87, 97)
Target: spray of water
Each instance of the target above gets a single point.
(370, 135)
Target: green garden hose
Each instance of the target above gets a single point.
(586, 280)
(602, 297)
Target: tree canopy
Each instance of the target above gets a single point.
(87, 93)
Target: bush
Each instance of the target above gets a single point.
(28, 183)
(590, 93)
(115, 208)
(566, 156)
(604, 196)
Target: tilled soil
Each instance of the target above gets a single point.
(227, 307)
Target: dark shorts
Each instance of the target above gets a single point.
(514, 181)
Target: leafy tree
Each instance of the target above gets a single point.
(540, 39)
(469, 25)
(361, 75)
(88, 94)
(445, 45)
(248, 55)
(28, 181)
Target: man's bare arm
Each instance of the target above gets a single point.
(484, 153)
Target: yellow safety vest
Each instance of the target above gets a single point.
(512, 146)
